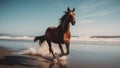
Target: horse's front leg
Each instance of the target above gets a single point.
(62, 51)
(67, 47)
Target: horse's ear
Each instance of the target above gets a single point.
(68, 9)
(73, 9)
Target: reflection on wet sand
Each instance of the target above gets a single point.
(47, 62)
(26, 61)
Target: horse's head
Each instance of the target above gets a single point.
(71, 15)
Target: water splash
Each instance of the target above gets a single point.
(32, 49)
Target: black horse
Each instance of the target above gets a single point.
(60, 34)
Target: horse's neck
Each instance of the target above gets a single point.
(65, 27)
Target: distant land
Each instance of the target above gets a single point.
(105, 37)
(4, 34)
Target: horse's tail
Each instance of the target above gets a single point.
(40, 38)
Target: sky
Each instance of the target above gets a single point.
(33, 17)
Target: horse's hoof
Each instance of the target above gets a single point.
(55, 60)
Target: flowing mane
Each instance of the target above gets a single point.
(62, 19)
(63, 24)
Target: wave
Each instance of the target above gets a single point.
(89, 39)
(78, 39)
(17, 37)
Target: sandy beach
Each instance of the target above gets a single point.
(82, 55)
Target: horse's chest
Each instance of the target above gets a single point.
(66, 36)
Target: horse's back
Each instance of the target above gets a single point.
(53, 34)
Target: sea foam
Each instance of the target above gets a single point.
(73, 39)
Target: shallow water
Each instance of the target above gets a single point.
(95, 56)
(82, 54)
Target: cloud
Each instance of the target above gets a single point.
(100, 13)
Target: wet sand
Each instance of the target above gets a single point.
(76, 59)
(10, 60)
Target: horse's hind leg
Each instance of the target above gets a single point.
(50, 48)
(61, 48)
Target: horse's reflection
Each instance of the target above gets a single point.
(48, 63)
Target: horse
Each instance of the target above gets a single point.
(60, 34)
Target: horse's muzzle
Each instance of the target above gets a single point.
(73, 23)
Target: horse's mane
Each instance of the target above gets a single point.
(63, 18)
(63, 23)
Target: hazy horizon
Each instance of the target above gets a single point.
(33, 17)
